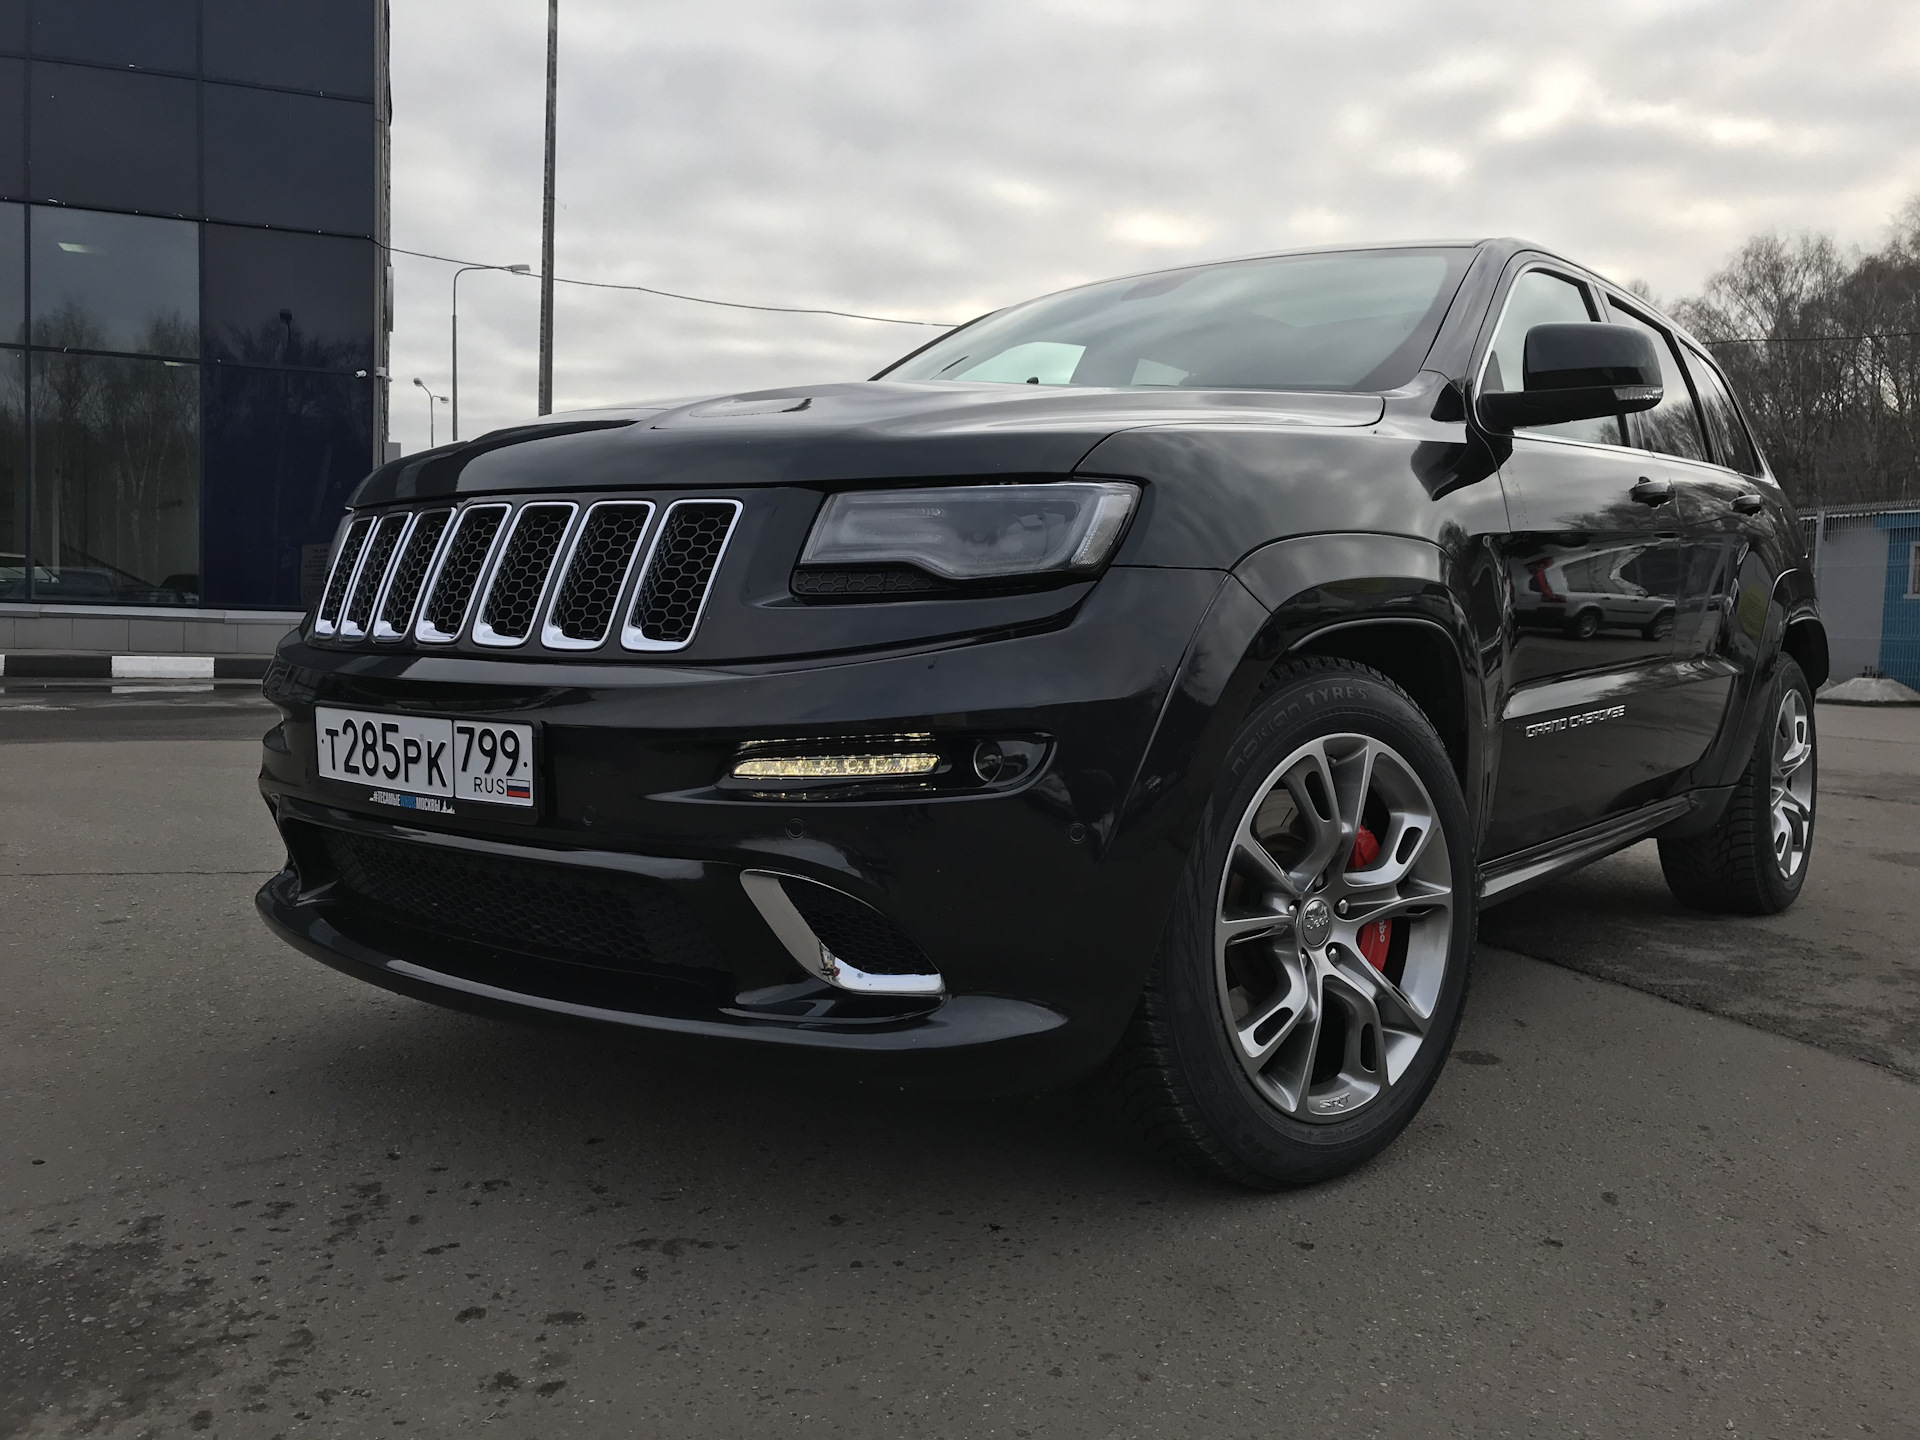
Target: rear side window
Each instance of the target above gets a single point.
(1731, 443)
(1672, 427)
(1540, 298)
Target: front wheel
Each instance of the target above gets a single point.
(1314, 966)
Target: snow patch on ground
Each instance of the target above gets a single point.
(1868, 690)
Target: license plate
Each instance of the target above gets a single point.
(402, 757)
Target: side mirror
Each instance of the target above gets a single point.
(1579, 372)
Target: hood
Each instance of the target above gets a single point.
(858, 430)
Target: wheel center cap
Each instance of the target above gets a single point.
(1316, 923)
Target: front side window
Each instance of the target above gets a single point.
(1353, 320)
(1731, 443)
(1541, 298)
(1672, 427)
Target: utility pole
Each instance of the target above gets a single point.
(546, 226)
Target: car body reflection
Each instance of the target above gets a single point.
(1579, 591)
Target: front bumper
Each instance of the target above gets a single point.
(1038, 907)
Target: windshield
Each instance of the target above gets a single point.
(1350, 320)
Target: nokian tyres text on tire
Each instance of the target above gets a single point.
(1312, 973)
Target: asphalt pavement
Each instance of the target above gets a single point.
(245, 1196)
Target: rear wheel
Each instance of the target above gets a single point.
(1754, 860)
(1312, 974)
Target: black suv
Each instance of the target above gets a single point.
(1156, 676)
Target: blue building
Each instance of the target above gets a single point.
(193, 301)
(1867, 563)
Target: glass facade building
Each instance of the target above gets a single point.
(193, 294)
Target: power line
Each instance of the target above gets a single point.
(695, 299)
(1815, 339)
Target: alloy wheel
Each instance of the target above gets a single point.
(1790, 783)
(1333, 927)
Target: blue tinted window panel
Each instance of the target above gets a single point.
(13, 475)
(13, 25)
(116, 480)
(145, 34)
(115, 282)
(283, 453)
(324, 45)
(114, 139)
(13, 274)
(272, 297)
(294, 161)
(13, 127)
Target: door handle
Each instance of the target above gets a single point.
(1652, 492)
(1748, 504)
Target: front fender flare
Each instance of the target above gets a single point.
(1278, 600)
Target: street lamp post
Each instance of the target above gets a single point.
(431, 399)
(511, 269)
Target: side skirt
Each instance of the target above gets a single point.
(1511, 875)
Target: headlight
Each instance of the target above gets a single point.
(975, 532)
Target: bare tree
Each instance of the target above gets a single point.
(1824, 348)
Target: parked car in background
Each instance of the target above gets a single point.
(1154, 678)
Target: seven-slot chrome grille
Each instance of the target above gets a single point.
(498, 573)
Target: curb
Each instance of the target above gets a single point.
(45, 665)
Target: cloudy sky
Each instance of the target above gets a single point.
(937, 158)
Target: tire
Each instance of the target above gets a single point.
(1754, 860)
(1189, 1073)
(1585, 625)
(1661, 626)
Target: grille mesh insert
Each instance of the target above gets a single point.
(410, 571)
(373, 570)
(584, 609)
(460, 571)
(342, 576)
(691, 538)
(591, 917)
(856, 933)
(514, 597)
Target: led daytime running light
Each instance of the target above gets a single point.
(835, 767)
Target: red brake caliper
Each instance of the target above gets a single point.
(1375, 939)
